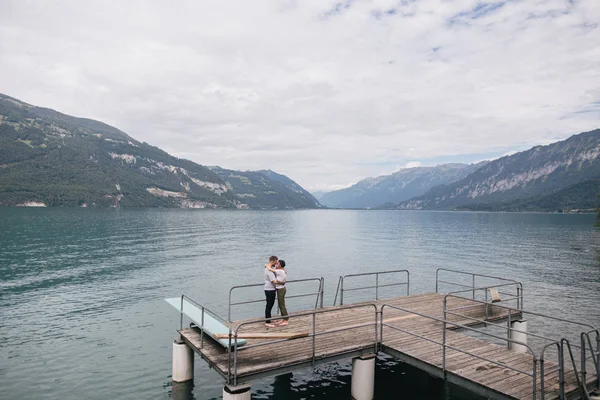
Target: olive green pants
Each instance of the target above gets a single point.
(281, 302)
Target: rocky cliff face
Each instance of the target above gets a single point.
(540, 171)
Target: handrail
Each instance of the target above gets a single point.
(582, 389)
(595, 356)
(446, 346)
(459, 325)
(214, 314)
(473, 288)
(319, 293)
(204, 310)
(592, 327)
(233, 335)
(562, 341)
(542, 370)
(485, 289)
(341, 289)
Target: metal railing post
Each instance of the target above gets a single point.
(597, 361)
(543, 393)
(444, 338)
(235, 359)
(229, 310)
(229, 359)
(314, 323)
(486, 305)
(583, 359)
(181, 314)
(376, 342)
(341, 291)
(508, 327)
(473, 286)
(561, 372)
(337, 291)
(520, 295)
(322, 291)
(202, 330)
(535, 378)
(377, 286)
(381, 327)
(407, 283)
(437, 271)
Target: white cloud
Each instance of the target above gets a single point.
(326, 92)
(413, 164)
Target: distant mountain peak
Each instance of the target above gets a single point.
(401, 185)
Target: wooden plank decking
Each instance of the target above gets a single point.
(331, 343)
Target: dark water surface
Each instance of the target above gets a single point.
(81, 289)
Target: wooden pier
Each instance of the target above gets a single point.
(414, 329)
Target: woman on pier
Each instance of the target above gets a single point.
(281, 276)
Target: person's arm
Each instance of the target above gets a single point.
(278, 280)
(270, 268)
(273, 270)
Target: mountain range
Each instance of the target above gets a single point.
(392, 189)
(49, 158)
(560, 176)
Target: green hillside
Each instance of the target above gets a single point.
(54, 159)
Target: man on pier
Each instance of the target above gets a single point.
(270, 290)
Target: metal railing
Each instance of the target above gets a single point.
(341, 289)
(318, 294)
(564, 343)
(595, 355)
(204, 311)
(445, 346)
(485, 289)
(561, 343)
(234, 334)
(473, 285)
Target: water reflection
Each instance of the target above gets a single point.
(182, 391)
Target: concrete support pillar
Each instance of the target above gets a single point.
(183, 362)
(519, 336)
(363, 377)
(240, 392)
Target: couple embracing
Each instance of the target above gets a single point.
(275, 278)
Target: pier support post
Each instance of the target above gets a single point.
(363, 377)
(183, 362)
(240, 392)
(518, 336)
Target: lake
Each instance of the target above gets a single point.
(81, 290)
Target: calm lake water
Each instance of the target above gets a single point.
(81, 290)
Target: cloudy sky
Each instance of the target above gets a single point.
(327, 92)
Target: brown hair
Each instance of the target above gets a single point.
(273, 258)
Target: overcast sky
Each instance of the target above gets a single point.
(326, 92)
